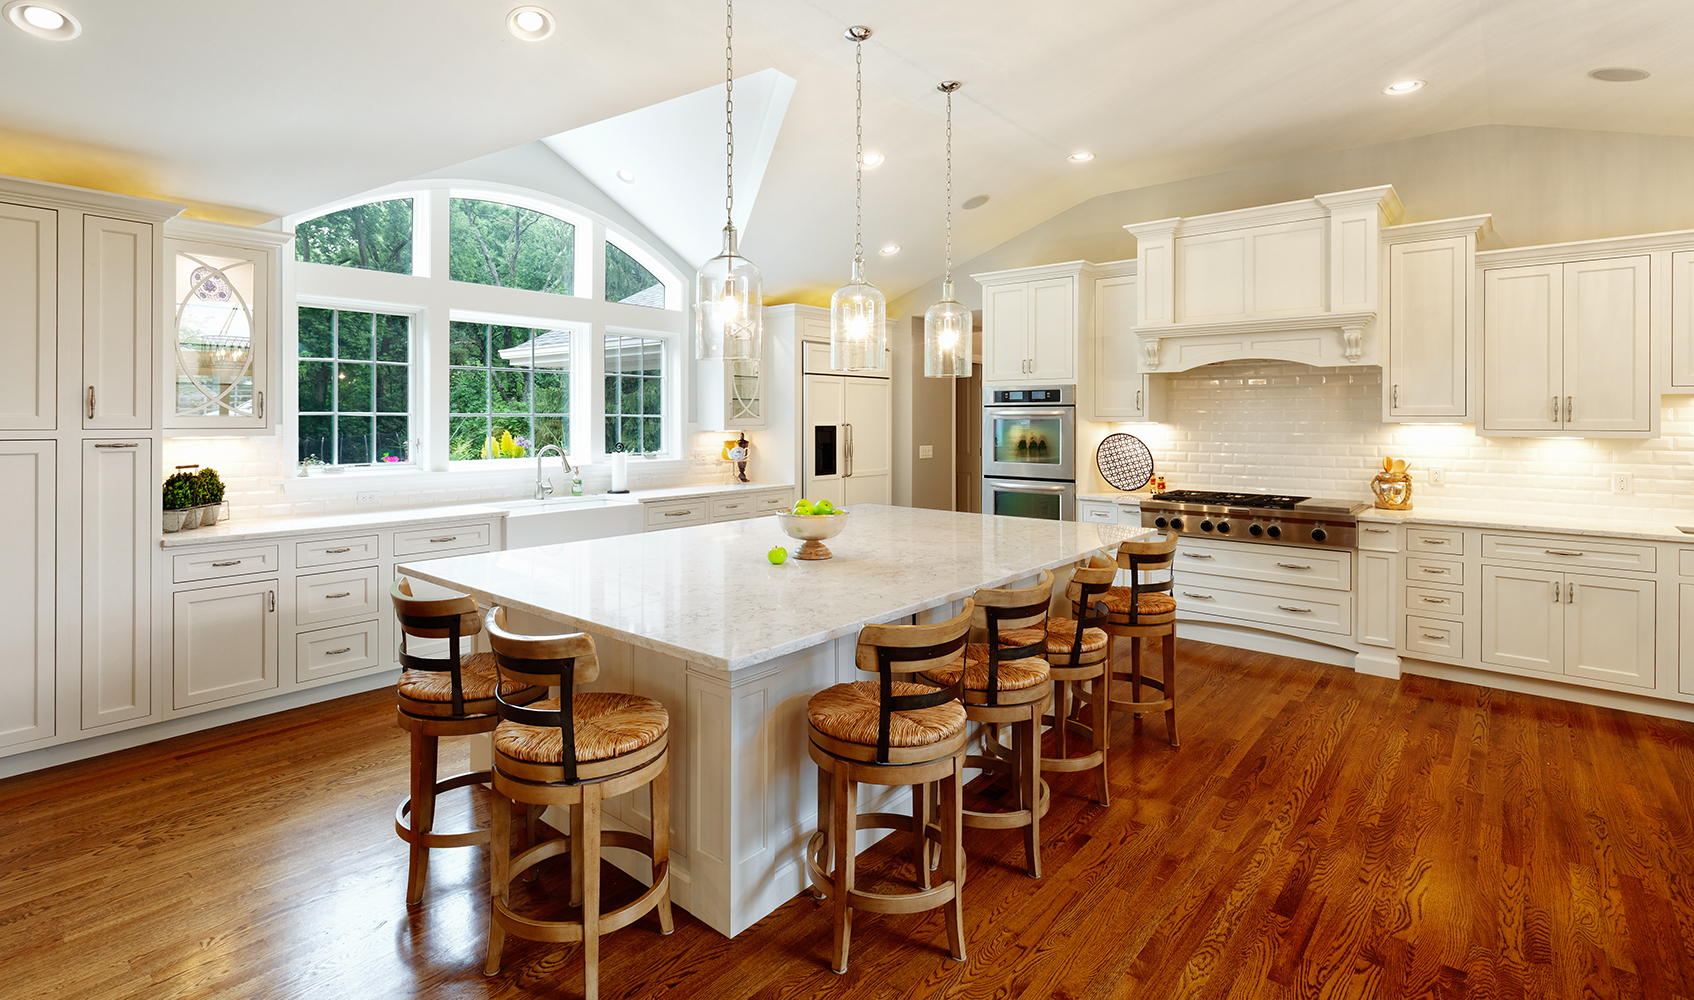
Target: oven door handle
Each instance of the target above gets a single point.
(1028, 487)
(1017, 412)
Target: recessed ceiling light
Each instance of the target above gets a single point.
(626, 177)
(891, 249)
(1080, 157)
(531, 24)
(1619, 74)
(976, 202)
(1403, 87)
(873, 159)
(42, 20)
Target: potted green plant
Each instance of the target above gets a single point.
(179, 501)
(209, 493)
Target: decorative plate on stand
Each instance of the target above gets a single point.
(1124, 462)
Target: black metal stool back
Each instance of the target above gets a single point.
(452, 618)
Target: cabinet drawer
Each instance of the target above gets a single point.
(676, 513)
(191, 566)
(1427, 635)
(732, 507)
(1379, 537)
(327, 597)
(335, 551)
(1426, 570)
(342, 649)
(1435, 602)
(1097, 513)
(1274, 563)
(1444, 541)
(770, 503)
(442, 538)
(1303, 607)
(1571, 551)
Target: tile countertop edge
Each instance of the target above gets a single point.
(1547, 523)
(718, 662)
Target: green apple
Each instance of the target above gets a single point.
(777, 556)
(823, 507)
(804, 507)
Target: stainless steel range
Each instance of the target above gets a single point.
(1256, 517)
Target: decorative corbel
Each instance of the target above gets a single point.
(1150, 353)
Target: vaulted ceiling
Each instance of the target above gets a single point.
(278, 107)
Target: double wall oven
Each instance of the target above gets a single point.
(1029, 452)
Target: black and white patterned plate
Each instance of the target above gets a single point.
(1124, 462)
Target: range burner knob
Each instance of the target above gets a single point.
(1223, 527)
(1176, 522)
(1274, 531)
(1255, 531)
(1318, 534)
(1205, 526)
(1159, 522)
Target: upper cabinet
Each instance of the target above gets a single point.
(1682, 321)
(1431, 268)
(1116, 387)
(222, 283)
(1566, 349)
(118, 319)
(1033, 319)
(29, 282)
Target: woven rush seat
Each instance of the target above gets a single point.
(1120, 601)
(849, 712)
(1061, 637)
(606, 724)
(476, 678)
(1015, 675)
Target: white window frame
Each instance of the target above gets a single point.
(433, 302)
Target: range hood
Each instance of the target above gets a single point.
(1295, 281)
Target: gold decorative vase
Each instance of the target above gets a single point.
(1393, 490)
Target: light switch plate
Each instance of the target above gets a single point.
(926, 451)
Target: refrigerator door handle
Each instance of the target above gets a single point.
(847, 450)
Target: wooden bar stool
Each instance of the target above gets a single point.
(1078, 653)
(1146, 608)
(1007, 685)
(891, 732)
(441, 696)
(574, 751)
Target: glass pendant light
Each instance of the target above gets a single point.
(729, 315)
(858, 311)
(947, 324)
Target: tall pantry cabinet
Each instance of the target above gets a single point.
(81, 293)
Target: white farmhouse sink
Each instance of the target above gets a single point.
(570, 519)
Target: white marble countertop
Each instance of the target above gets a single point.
(246, 530)
(698, 490)
(1587, 524)
(707, 593)
(1117, 496)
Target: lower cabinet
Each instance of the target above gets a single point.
(28, 495)
(331, 652)
(225, 642)
(1377, 586)
(119, 525)
(1576, 624)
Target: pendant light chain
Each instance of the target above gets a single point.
(859, 149)
(949, 185)
(729, 112)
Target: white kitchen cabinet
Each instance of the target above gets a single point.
(1378, 587)
(1682, 320)
(731, 396)
(120, 521)
(1032, 322)
(29, 310)
(28, 491)
(847, 445)
(118, 317)
(1685, 638)
(1566, 349)
(1584, 625)
(222, 288)
(1431, 267)
(224, 642)
(1119, 389)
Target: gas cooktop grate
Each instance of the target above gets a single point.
(1262, 501)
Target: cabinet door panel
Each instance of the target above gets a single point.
(217, 334)
(1377, 605)
(869, 428)
(1120, 390)
(1428, 337)
(1605, 348)
(117, 324)
(119, 524)
(1522, 348)
(823, 444)
(1685, 637)
(1005, 332)
(1052, 349)
(223, 642)
(1610, 629)
(1682, 319)
(1522, 625)
(29, 317)
(28, 481)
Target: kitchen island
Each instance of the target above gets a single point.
(733, 646)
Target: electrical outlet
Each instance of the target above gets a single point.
(367, 497)
(1437, 476)
(926, 451)
(1622, 482)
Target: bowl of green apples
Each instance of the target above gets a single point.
(811, 522)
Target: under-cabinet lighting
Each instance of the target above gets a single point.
(1619, 74)
(1403, 87)
(531, 24)
(42, 20)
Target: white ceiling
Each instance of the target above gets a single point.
(278, 107)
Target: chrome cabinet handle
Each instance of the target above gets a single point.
(1292, 566)
(1198, 597)
(118, 444)
(1555, 591)
(1196, 555)
(338, 652)
(1433, 541)
(1432, 569)
(1432, 635)
(1298, 611)
(444, 538)
(678, 513)
(1555, 409)
(1378, 531)
(1561, 552)
(1138, 400)
(344, 548)
(344, 593)
(1434, 600)
(91, 402)
(273, 600)
(1570, 595)
(261, 405)
(848, 451)
(232, 562)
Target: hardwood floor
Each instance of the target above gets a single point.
(1317, 834)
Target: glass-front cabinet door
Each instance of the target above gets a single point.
(220, 328)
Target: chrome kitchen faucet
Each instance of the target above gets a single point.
(544, 487)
